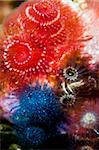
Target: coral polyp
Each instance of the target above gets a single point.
(85, 120)
(88, 120)
(70, 73)
(76, 67)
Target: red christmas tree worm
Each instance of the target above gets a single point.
(42, 33)
(22, 56)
